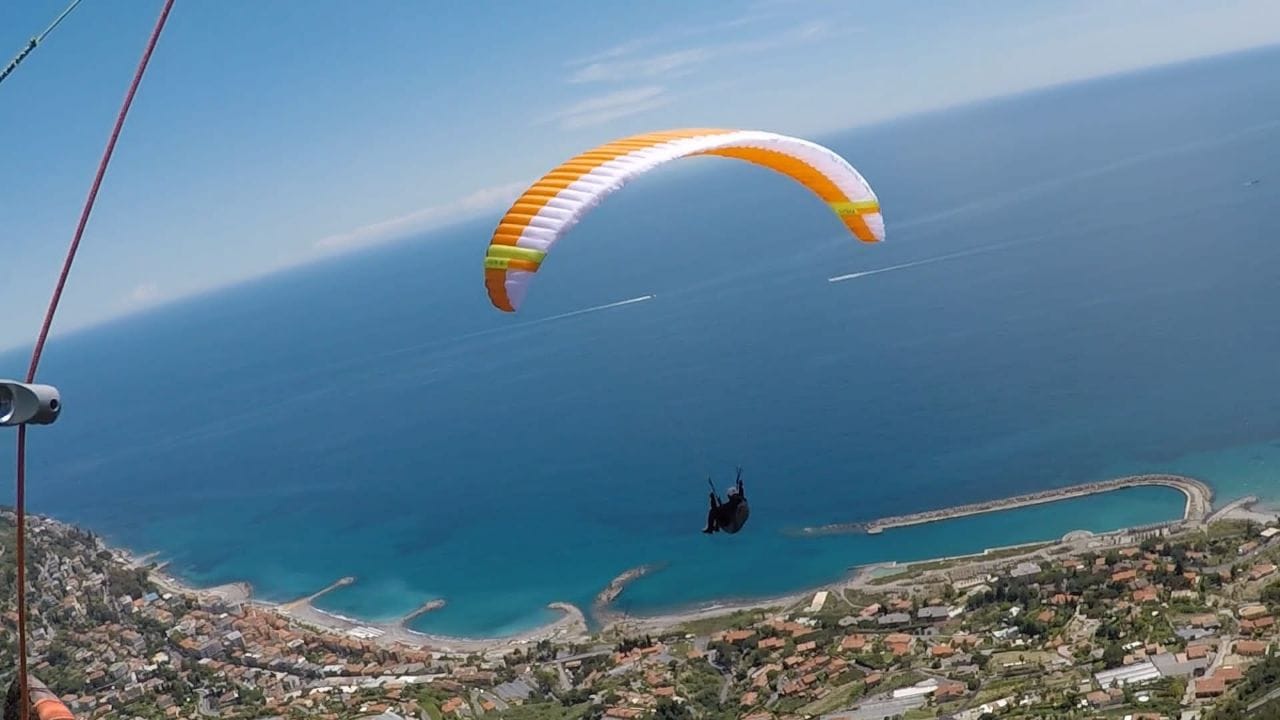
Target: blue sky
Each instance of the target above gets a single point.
(269, 134)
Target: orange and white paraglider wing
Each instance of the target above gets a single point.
(555, 203)
(46, 705)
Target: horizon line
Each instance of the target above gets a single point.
(475, 216)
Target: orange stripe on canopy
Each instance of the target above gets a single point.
(544, 211)
(562, 176)
(803, 173)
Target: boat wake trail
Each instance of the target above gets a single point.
(594, 308)
(926, 261)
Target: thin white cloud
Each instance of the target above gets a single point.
(143, 295)
(796, 35)
(615, 52)
(611, 106)
(145, 292)
(601, 109)
(419, 221)
(668, 36)
(620, 64)
(668, 65)
(745, 20)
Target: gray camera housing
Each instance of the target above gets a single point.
(28, 404)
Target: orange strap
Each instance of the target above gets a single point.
(52, 709)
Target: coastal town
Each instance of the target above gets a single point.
(1170, 621)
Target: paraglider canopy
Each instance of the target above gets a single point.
(43, 704)
(555, 203)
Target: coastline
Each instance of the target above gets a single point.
(573, 625)
(570, 626)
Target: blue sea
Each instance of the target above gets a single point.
(1102, 300)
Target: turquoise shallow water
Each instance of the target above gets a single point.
(373, 416)
(974, 533)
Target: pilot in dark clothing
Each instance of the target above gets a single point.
(728, 516)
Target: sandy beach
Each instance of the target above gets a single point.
(571, 626)
(230, 593)
(632, 624)
(1250, 509)
(858, 578)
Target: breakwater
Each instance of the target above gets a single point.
(1199, 501)
(602, 608)
(427, 607)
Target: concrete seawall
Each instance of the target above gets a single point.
(1199, 500)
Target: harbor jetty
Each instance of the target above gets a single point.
(1232, 507)
(308, 600)
(602, 609)
(1199, 501)
(618, 584)
(425, 608)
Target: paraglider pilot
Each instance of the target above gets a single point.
(731, 514)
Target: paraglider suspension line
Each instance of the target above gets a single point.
(20, 500)
(38, 351)
(33, 42)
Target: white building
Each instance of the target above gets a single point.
(1135, 674)
(924, 687)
